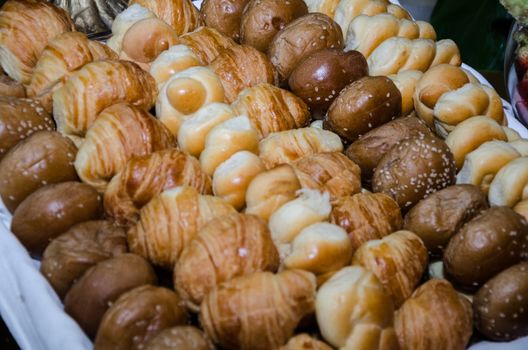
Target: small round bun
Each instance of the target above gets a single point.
(224, 16)
(362, 106)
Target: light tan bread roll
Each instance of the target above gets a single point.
(406, 81)
(521, 145)
(510, 185)
(181, 15)
(512, 134)
(447, 52)
(206, 43)
(123, 21)
(304, 342)
(522, 208)
(174, 60)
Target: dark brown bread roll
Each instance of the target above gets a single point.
(180, 338)
(224, 16)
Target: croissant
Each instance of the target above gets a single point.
(288, 146)
(366, 216)
(145, 177)
(436, 317)
(181, 15)
(398, 260)
(331, 172)
(226, 247)
(26, 26)
(398, 54)
(170, 221)
(271, 109)
(185, 93)
(63, 55)
(207, 43)
(172, 61)
(96, 86)
(240, 67)
(366, 33)
(510, 185)
(120, 132)
(355, 312)
(305, 342)
(259, 311)
(406, 82)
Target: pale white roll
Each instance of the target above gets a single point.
(194, 130)
(320, 248)
(226, 139)
(231, 179)
(510, 133)
(522, 208)
(481, 165)
(510, 185)
(470, 134)
(521, 145)
(406, 82)
(172, 61)
(185, 93)
(124, 21)
(447, 52)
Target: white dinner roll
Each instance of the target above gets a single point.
(124, 21)
(510, 185)
(174, 60)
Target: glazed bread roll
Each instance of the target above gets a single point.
(233, 176)
(406, 82)
(259, 311)
(26, 26)
(241, 67)
(288, 146)
(124, 21)
(206, 43)
(181, 15)
(170, 221)
(366, 33)
(193, 131)
(510, 185)
(470, 100)
(120, 132)
(271, 109)
(98, 85)
(63, 55)
(176, 59)
(224, 16)
(145, 177)
(355, 312)
(270, 190)
(185, 93)
(463, 139)
(225, 139)
(226, 247)
(481, 165)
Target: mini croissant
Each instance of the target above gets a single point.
(120, 132)
(207, 43)
(259, 311)
(170, 221)
(63, 55)
(96, 86)
(145, 177)
(226, 247)
(26, 26)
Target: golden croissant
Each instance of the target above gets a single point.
(170, 221)
(120, 132)
(207, 43)
(226, 247)
(259, 311)
(145, 177)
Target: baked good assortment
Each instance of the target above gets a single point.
(284, 172)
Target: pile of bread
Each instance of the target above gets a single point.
(235, 202)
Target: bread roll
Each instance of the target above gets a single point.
(26, 26)
(481, 165)
(522, 208)
(406, 82)
(259, 311)
(180, 338)
(509, 186)
(233, 176)
(271, 109)
(193, 131)
(288, 146)
(98, 85)
(226, 247)
(176, 59)
(206, 43)
(181, 15)
(446, 52)
(185, 93)
(270, 190)
(123, 21)
(143, 178)
(119, 133)
(512, 134)
(224, 16)
(521, 145)
(305, 342)
(354, 311)
(463, 139)
(225, 139)
(241, 67)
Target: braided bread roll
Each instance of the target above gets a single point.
(98, 85)
(26, 26)
(63, 55)
(510, 185)
(120, 132)
(145, 177)
(181, 15)
(170, 221)
(176, 59)
(226, 247)
(259, 311)
(207, 43)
